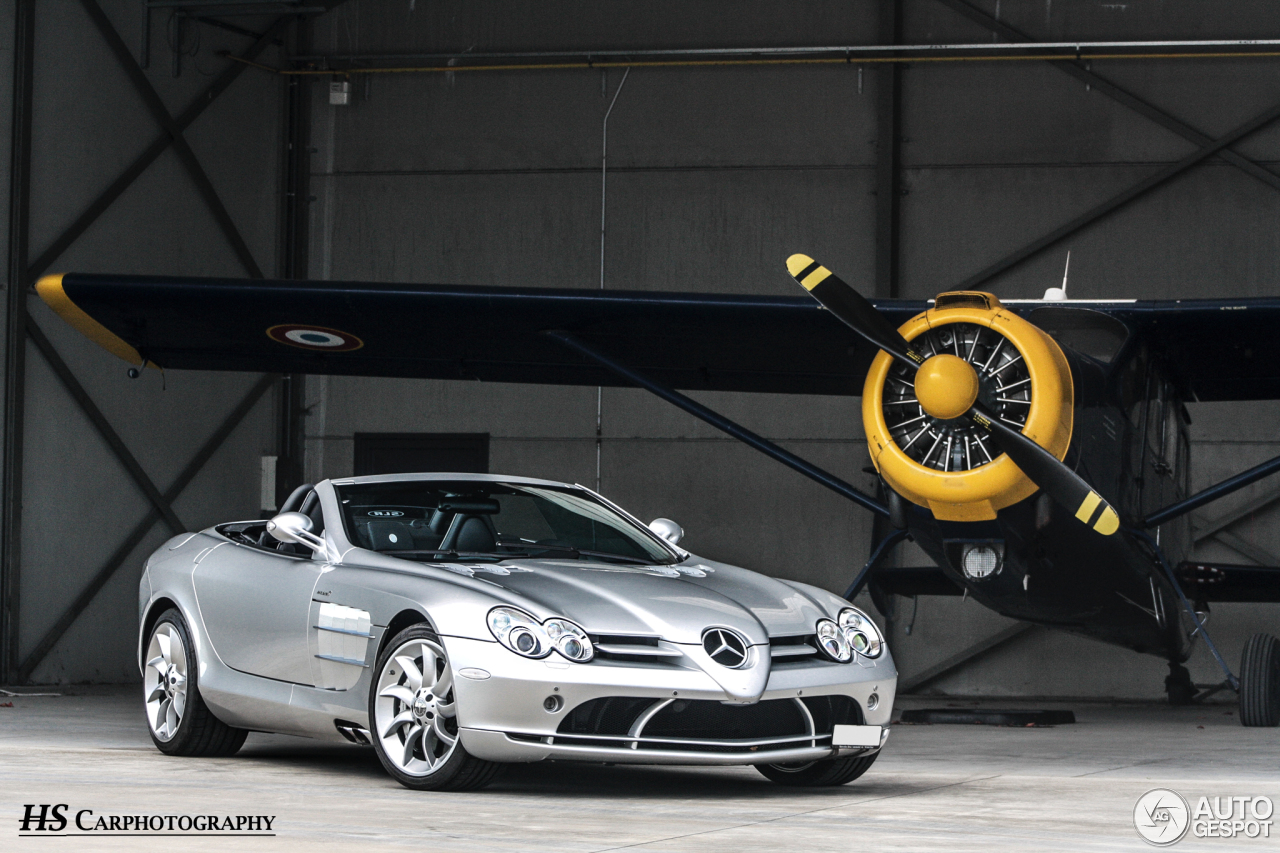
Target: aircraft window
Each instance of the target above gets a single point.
(1084, 330)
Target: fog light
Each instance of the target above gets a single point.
(552, 704)
(873, 701)
(980, 561)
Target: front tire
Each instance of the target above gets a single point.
(819, 774)
(1260, 681)
(179, 721)
(413, 714)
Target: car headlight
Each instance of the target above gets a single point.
(522, 634)
(861, 633)
(832, 641)
(569, 640)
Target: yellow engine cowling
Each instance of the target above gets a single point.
(975, 494)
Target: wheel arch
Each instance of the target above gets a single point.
(398, 623)
(154, 610)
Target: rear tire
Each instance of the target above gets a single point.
(1260, 681)
(413, 717)
(179, 721)
(818, 774)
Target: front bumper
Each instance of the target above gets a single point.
(515, 713)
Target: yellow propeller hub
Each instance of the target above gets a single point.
(946, 386)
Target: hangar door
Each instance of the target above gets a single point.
(403, 453)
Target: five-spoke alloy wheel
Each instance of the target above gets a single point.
(179, 721)
(414, 717)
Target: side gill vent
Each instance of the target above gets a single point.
(962, 299)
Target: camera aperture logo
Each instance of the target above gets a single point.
(55, 820)
(1164, 817)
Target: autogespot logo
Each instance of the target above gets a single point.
(1163, 817)
(58, 820)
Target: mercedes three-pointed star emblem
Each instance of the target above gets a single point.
(725, 647)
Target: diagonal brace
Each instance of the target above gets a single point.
(140, 532)
(152, 152)
(99, 420)
(1116, 202)
(180, 146)
(720, 422)
(1111, 90)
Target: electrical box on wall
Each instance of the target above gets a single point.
(339, 92)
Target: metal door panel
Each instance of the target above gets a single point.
(255, 605)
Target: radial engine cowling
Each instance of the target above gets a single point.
(948, 465)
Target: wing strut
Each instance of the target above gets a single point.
(1226, 487)
(722, 423)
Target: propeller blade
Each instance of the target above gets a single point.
(851, 308)
(1046, 471)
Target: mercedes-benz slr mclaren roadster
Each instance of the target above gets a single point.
(459, 622)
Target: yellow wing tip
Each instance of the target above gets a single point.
(796, 263)
(50, 289)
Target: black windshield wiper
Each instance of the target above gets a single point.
(534, 547)
(450, 553)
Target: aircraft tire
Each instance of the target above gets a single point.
(1260, 682)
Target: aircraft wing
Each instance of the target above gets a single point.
(495, 334)
(1215, 349)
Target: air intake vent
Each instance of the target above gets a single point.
(964, 299)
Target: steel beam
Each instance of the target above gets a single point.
(180, 146)
(1118, 201)
(294, 254)
(152, 152)
(1205, 528)
(720, 422)
(100, 422)
(15, 339)
(977, 650)
(117, 559)
(1258, 554)
(888, 155)
(1115, 93)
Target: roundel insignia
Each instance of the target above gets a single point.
(319, 338)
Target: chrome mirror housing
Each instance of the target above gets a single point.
(667, 529)
(295, 527)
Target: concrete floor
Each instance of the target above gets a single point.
(957, 788)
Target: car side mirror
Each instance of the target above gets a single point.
(295, 527)
(667, 529)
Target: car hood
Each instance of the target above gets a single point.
(677, 603)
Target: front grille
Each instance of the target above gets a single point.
(801, 649)
(611, 716)
(697, 725)
(705, 720)
(830, 711)
(633, 649)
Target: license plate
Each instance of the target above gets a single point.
(865, 736)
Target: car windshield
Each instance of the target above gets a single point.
(448, 519)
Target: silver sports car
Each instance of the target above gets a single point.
(458, 622)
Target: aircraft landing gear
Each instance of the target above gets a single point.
(1178, 685)
(1260, 681)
